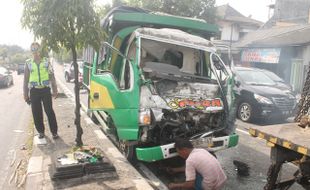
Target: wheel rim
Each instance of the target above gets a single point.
(245, 112)
(124, 148)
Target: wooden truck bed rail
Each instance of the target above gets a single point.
(289, 143)
(289, 136)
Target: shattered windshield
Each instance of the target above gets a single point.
(174, 61)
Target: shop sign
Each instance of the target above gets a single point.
(269, 55)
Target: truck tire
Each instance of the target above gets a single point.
(128, 151)
(245, 112)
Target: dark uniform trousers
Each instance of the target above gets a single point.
(37, 96)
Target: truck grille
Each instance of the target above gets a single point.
(284, 104)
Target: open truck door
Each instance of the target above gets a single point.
(114, 90)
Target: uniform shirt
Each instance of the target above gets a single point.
(51, 78)
(207, 166)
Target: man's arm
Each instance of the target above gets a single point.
(26, 81)
(175, 170)
(52, 80)
(185, 185)
(53, 83)
(190, 174)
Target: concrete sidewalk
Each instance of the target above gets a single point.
(38, 176)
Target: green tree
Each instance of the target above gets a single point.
(64, 23)
(18, 58)
(10, 55)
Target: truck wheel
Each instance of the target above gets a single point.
(245, 112)
(128, 151)
(67, 78)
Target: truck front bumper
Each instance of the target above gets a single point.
(212, 144)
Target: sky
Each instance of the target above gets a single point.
(12, 33)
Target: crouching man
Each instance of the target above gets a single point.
(202, 169)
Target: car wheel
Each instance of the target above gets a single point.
(245, 112)
(8, 83)
(67, 78)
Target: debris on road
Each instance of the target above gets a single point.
(82, 161)
(242, 168)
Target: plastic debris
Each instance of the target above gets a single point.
(84, 154)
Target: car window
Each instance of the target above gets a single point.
(273, 76)
(255, 77)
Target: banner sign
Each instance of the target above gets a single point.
(270, 55)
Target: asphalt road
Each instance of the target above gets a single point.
(251, 151)
(15, 118)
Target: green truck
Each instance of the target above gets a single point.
(157, 77)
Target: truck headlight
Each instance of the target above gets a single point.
(145, 117)
(262, 99)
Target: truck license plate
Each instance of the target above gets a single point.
(203, 142)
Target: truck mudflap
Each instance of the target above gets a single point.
(151, 154)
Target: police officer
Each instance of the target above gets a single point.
(38, 78)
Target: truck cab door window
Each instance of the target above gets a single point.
(125, 82)
(127, 71)
(101, 63)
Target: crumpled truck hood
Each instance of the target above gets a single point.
(182, 95)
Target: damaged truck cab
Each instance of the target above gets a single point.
(158, 78)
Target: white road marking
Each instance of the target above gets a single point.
(18, 131)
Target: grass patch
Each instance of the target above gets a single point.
(29, 140)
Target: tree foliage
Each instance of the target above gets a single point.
(203, 9)
(67, 23)
(72, 24)
(12, 54)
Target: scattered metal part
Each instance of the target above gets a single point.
(23, 147)
(12, 176)
(242, 168)
(21, 183)
(14, 159)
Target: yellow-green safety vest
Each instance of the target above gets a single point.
(39, 74)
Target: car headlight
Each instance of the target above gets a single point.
(145, 117)
(262, 99)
